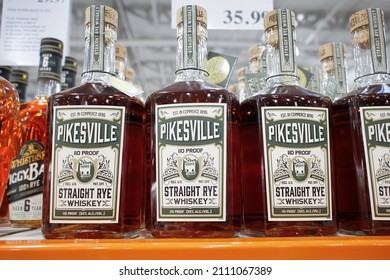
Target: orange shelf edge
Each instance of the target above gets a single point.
(295, 248)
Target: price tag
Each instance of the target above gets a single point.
(229, 14)
(25, 23)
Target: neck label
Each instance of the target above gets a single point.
(339, 69)
(97, 38)
(286, 42)
(190, 45)
(377, 41)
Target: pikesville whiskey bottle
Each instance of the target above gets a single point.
(361, 129)
(25, 183)
(94, 169)
(286, 146)
(334, 70)
(193, 129)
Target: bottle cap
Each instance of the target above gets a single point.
(70, 64)
(201, 15)
(19, 76)
(51, 45)
(360, 19)
(110, 15)
(254, 52)
(129, 74)
(326, 50)
(120, 51)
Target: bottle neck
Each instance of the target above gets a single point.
(369, 50)
(280, 43)
(191, 56)
(99, 51)
(120, 69)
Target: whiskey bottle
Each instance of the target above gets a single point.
(120, 61)
(242, 92)
(19, 78)
(9, 108)
(286, 146)
(361, 123)
(334, 70)
(257, 59)
(25, 183)
(94, 169)
(193, 130)
(68, 73)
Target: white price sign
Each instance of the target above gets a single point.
(229, 14)
(25, 23)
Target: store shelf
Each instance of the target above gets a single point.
(34, 246)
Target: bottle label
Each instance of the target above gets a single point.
(377, 41)
(96, 41)
(255, 82)
(191, 162)
(25, 182)
(376, 138)
(297, 157)
(286, 42)
(50, 66)
(87, 160)
(339, 69)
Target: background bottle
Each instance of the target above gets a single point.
(94, 169)
(19, 78)
(120, 61)
(362, 158)
(334, 69)
(24, 193)
(242, 92)
(184, 171)
(287, 183)
(68, 73)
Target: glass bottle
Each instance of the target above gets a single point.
(9, 108)
(361, 121)
(94, 169)
(68, 73)
(5, 72)
(334, 70)
(257, 59)
(25, 184)
(19, 78)
(286, 146)
(193, 130)
(120, 61)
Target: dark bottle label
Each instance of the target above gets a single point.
(297, 156)
(191, 162)
(25, 182)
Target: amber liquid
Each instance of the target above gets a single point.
(354, 210)
(9, 106)
(196, 92)
(253, 169)
(32, 126)
(130, 213)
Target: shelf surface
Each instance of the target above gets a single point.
(32, 245)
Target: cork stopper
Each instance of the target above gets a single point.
(241, 73)
(201, 15)
(360, 21)
(130, 74)
(110, 15)
(51, 45)
(120, 51)
(254, 52)
(326, 50)
(271, 22)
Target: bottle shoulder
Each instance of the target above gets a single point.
(369, 95)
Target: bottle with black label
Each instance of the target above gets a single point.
(25, 183)
(361, 131)
(286, 146)
(68, 74)
(94, 169)
(19, 78)
(193, 129)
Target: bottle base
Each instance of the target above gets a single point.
(87, 232)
